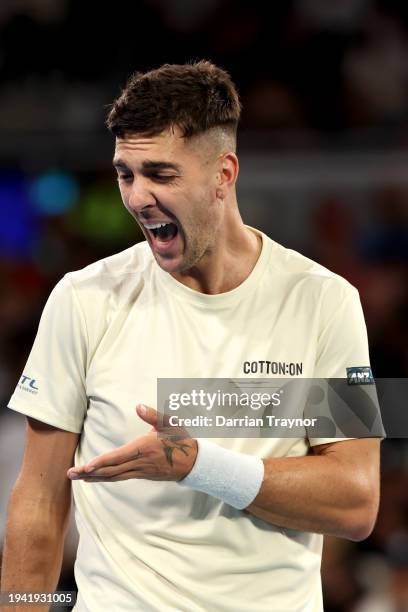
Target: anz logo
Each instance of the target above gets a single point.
(28, 384)
(360, 376)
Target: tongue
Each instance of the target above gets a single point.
(167, 232)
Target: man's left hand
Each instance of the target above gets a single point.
(150, 457)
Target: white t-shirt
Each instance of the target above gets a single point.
(106, 334)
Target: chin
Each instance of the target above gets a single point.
(170, 265)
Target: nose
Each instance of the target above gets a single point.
(140, 197)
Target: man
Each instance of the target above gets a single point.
(233, 524)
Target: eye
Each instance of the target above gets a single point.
(125, 177)
(162, 178)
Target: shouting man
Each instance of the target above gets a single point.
(192, 525)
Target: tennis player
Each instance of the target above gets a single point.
(191, 525)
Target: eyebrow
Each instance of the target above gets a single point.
(150, 165)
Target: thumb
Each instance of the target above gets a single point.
(159, 422)
(149, 415)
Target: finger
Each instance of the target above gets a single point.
(148, 414)
(77, 470)
(124, 476)
(139, 474)
(128, 452)
(160, 422)
(112, 470)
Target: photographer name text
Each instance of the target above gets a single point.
(221, 421)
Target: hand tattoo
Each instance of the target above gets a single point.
(170, 447)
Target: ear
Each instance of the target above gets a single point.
(227, 174)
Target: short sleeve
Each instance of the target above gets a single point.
(52, 386)
(342, 341)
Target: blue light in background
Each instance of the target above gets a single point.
(18, 225)
(54, 193)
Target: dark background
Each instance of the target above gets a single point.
(324, 156)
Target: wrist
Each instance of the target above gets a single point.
(233, 477)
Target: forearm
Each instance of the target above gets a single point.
(33, 548)
(316, 493)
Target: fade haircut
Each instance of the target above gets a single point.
(195, 97)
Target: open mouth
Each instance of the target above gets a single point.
(162, 231)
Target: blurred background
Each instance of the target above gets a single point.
(324, 169)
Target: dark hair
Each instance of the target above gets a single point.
(195, 97)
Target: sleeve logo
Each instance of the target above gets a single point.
(360, 376)
(28, 384)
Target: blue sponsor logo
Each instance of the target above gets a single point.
(28, 384)
(360, 376)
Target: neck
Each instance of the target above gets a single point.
(231, 260)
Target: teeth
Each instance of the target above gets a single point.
(151, 226)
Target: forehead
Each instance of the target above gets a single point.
(166, 146)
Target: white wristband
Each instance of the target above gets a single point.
(233, 477)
